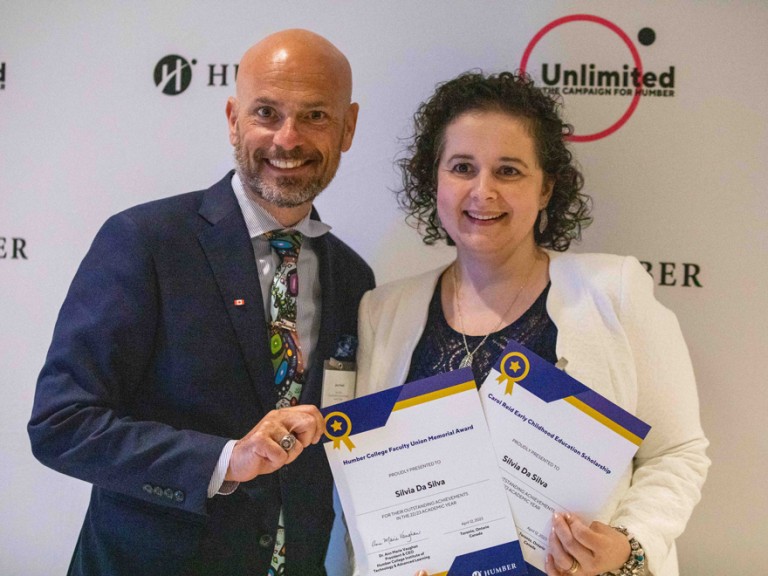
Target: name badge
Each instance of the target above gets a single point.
(338, 382)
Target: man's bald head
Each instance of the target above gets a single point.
(291, 120)
(298, 55)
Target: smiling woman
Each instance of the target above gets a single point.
(568, 209)
(488, 170)
(490, 187)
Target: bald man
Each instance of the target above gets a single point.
(163, 386)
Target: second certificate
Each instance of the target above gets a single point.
(417, 479)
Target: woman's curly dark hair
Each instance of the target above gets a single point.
(515, 94)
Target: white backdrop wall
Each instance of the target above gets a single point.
(85, 132)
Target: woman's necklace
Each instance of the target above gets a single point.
(467, 360)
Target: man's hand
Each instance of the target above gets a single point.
(259, 452)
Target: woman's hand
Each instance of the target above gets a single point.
(576, 549)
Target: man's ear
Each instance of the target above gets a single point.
(350, 122)
(231, 110)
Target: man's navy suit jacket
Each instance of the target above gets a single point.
(153, 367)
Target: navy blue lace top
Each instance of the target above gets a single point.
(441, 348)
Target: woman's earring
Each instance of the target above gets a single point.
(543, 221)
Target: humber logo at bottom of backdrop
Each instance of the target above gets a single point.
(683, 274)
(173, 74)
(13, 248)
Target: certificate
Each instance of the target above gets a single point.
(559, 445)
(418, 482)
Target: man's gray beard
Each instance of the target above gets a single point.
(287, 192)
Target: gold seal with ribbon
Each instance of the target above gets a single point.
(515, 368)
(339, 430)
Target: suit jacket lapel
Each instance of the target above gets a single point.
(313, 386)
(229, 251)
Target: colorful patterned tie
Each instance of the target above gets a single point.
(284, 343)
(284, 346)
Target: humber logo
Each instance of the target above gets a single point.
(496, 570)
(173, 74)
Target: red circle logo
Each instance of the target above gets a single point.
(620, 33)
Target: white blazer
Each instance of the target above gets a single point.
(618, 340)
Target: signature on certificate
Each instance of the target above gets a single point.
(405, 537)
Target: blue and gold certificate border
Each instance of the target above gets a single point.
(519, 366)
(344, 420)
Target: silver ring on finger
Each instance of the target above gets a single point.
(287, 442)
